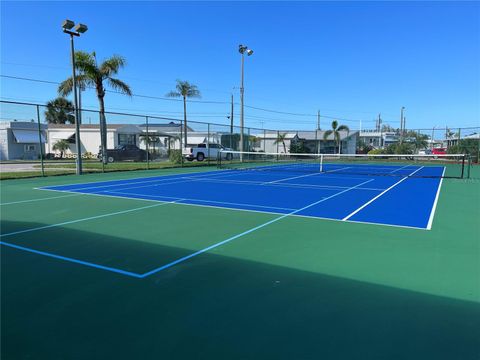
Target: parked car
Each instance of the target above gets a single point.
(124, 152)
(205, 151)
(439, 151)
(425, 152)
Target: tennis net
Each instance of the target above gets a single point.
(406, 165)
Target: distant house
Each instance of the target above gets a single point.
(117, 134)
(378, 139)
(311, 141)
(20, 140)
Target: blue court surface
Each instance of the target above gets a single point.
(403, 200)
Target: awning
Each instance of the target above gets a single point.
(27, 136)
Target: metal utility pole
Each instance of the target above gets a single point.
(67, 25)
(242, 49)
(401, 123)
(318, 120)
(380, 129)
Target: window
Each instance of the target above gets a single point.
(29, 148)
(126, 139)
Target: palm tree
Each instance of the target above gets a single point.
(185, 90)
(59, 111)
(281, 140)
(420, 141)
(336, 133)
(93, 75)
(62, 146)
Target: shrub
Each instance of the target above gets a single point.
(175, 156)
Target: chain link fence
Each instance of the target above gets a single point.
(36, 140)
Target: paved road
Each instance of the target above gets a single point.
(18, 167)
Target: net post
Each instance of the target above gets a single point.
(463, 166)
(321, 162)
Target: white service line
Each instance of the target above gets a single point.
(86, 219)
(290, 178)
(434, 207)
(379, 195)
(403, 167)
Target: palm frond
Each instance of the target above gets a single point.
(112, 65)
(65, 87)
(334, 124)
(327, 134)
(119, 86)
(184, 88)
(343, 128)
(193, 92)
(85, 63)
(173, 94)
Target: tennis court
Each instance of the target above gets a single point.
(291, 260)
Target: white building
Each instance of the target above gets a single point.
(21, 140)
(310, 142)
(117, 134)
(378, 139)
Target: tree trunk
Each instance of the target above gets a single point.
(185, 120)
(103, 129)
(284, 147)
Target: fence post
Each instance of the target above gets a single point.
(208, 143)
(264, 140)
(181, 143)
(147, 144)
(40, 139)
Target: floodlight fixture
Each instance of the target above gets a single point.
(67, 24)
(81, 28)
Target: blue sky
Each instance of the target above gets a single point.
(349, 60)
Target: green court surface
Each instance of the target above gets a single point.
(299, 288)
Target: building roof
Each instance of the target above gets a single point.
(86, 126)
(171, 126)
(306, 135)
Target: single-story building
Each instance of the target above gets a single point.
(21, 140)
(117, 134)
(305, 141)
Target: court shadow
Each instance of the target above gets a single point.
(213, 307)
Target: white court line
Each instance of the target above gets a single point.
(290, 178)
(200, 200)
(379, 195)
(403, 167)
(182, 259)
(41, 199)
(434, 207)
(85, 219)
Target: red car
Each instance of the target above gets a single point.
(439, 151)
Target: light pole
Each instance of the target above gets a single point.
(67, 27)
(242, 49)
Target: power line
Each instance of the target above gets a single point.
(208, 102)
